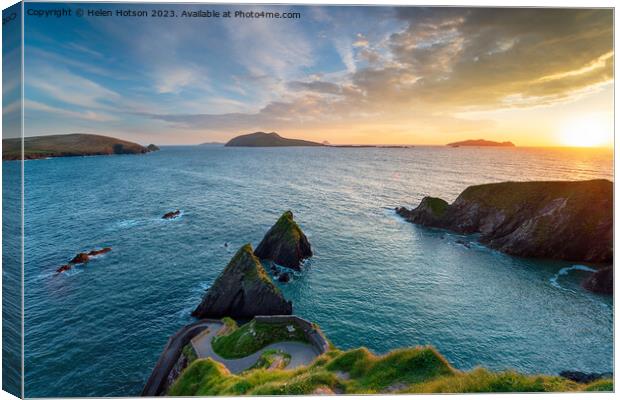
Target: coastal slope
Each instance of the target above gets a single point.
(480, 143)
(358, 371)
(263, 139)
(558, 219)
(71, 145)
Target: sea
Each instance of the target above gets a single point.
(374, 280)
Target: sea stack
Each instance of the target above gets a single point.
(559, 219)
(285, 243)
(243, 290)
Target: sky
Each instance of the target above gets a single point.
(347, 75)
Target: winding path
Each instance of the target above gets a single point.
(301, 353)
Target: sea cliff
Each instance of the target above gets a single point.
(71, 145)
(561, 220)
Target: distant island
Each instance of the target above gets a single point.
(211, 144)
(71, 145)
(481, 143)
(373, 146)
(272, 139)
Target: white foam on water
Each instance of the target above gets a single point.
(564, 271)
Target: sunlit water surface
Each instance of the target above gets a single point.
(374, 281)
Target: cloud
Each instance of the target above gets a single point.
(416, 69)
(360, 41)
(171, 79)
(88, 115)
(70, 88)
(446, 60)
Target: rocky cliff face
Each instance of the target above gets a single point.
(285, 243)
(561, 220)
(243, 290)
(602, 281)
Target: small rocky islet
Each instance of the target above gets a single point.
(172, 214)
(82, 258)
(285, 243)
(563, 220)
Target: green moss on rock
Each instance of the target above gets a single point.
(243, 290)
(285, 243)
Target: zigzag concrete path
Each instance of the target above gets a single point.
(301, 353)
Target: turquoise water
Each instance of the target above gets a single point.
(374, 281)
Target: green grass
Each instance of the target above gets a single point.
(189, 353)
(252, 274)
(230, 323)
(602, 385)
(410, 370)
(287, 228)
(252, 337)
(438, 206)
(267, 359)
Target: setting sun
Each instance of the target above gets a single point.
(590, 130)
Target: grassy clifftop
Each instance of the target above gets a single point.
(410, 370)
(75, 144)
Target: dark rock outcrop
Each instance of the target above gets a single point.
(64, 268)
(601, 281)
(172, 214)
(428, 213)
(284, 277)
(560, 220)
(152, 147)
(285, 243)
(83, 258)
(584, 377)
(80, 258)
(243, 290)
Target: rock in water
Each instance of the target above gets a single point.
(285, 243)
(243, 290)
(561, 220)
(601, 281)
(80, 258)
(172, 214)
(64, 268)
